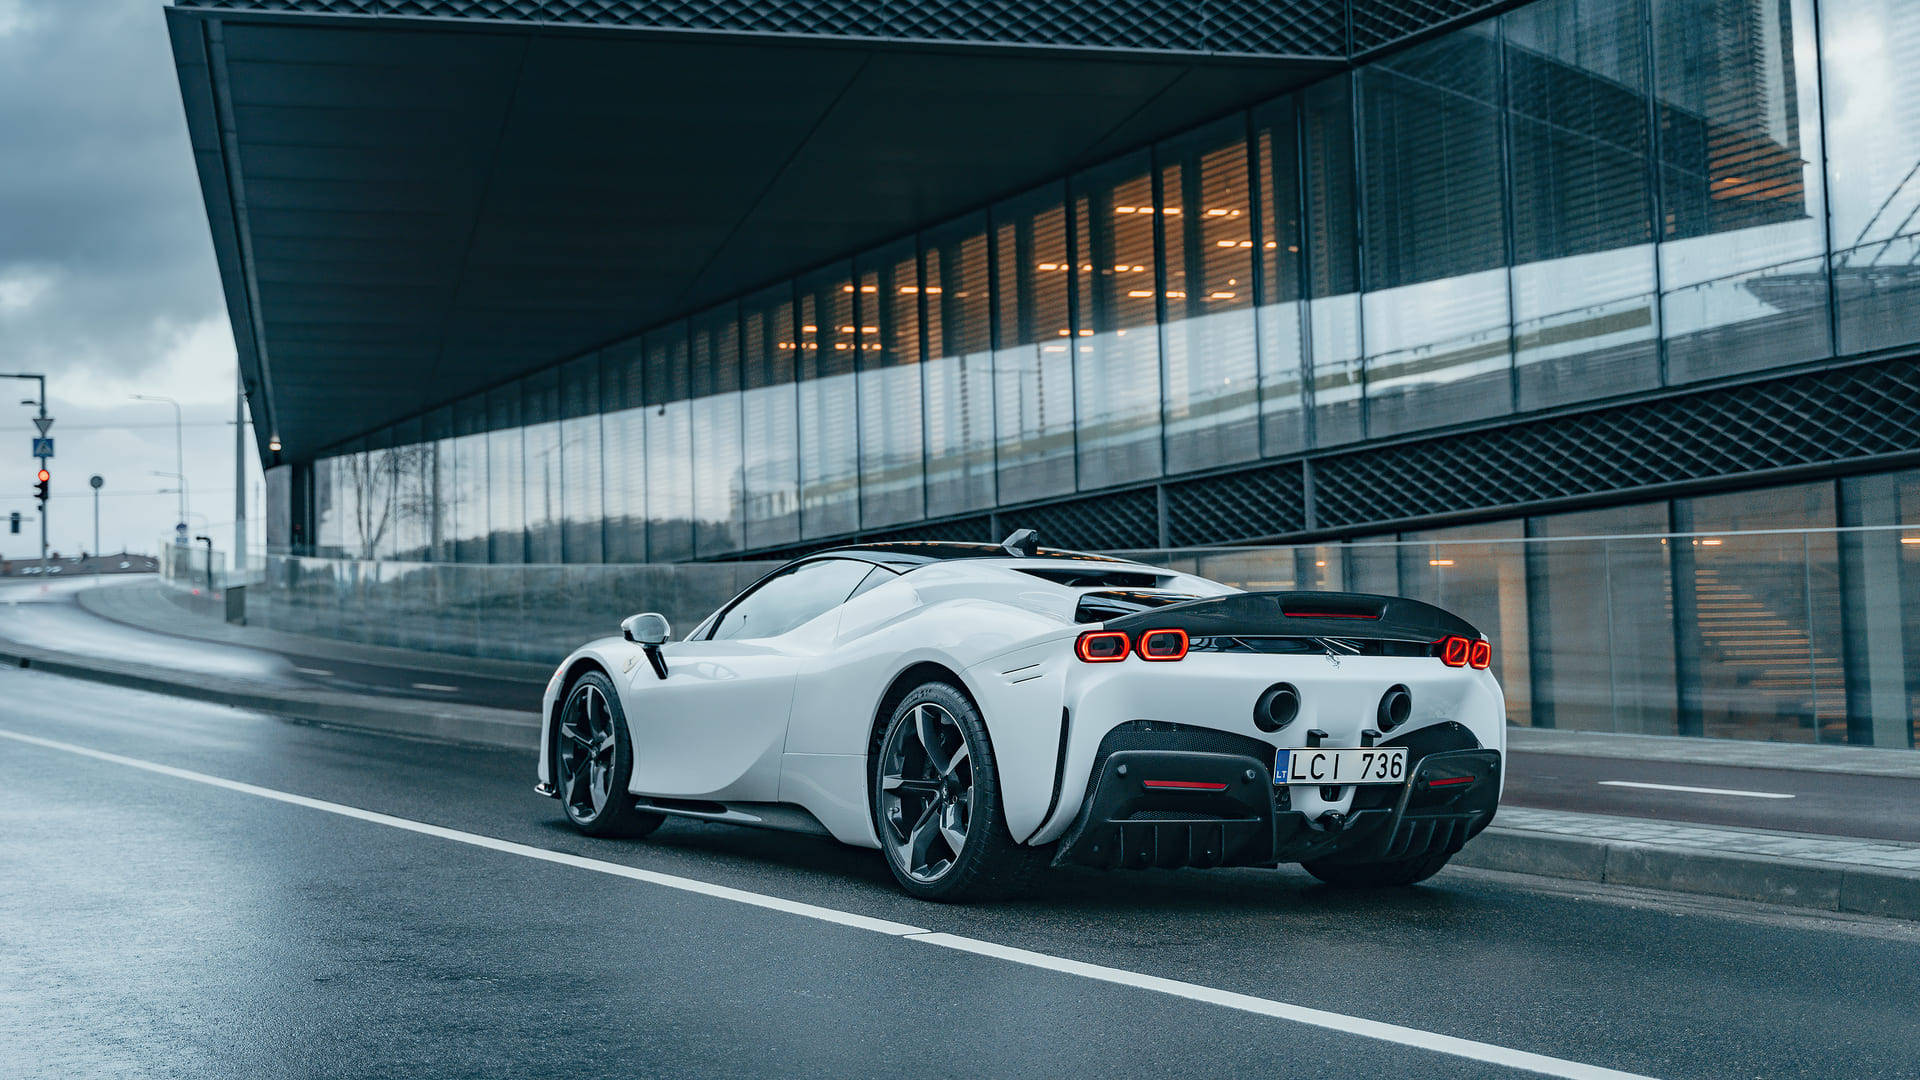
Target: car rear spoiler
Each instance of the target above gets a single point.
(1360, 616)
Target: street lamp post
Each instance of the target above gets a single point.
(96, 481)
(179, 454)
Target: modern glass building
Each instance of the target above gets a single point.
(1140, 275)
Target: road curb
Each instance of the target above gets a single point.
(1799, 883)
(476, 724)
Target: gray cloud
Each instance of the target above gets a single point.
(106, 269)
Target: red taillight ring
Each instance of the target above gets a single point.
(1102, 646)
(1153, 645)
(1456, 651)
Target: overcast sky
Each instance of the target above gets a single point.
(107, 280)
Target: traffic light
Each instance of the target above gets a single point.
(14, 522)
(40, 486)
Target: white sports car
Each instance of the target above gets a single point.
(976, 711)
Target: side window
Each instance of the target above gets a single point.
(786, 601)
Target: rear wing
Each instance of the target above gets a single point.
(1356, 616)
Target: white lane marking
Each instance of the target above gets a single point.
(1353, 1025)
(1695, 790)
(322, 672)
(1299, 1014)
(436, 687)
(722, 892)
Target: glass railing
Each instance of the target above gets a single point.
(1801, 636)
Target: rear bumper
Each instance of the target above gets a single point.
(1170, 808)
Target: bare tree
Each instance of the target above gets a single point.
(390, 491)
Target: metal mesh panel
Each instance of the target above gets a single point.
(1128, 519)
(1260, 502)
(1830, 416)
(1378, 23)
(1308, 27)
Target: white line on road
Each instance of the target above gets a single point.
(1695, 790)
(322, 672)
(438, 688)
(1470, 1049)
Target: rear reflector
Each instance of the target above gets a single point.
(1163, 645)
(1450, 781)
(1103, 646)
(1183, 785)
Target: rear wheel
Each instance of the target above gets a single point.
(1386, 873)
(936, 802)
(593, 762)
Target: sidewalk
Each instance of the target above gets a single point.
(1795, 870)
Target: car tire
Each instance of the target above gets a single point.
(593, 762)
(1386, 873)
(927, 803)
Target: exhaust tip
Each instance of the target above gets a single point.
(1278, 706)
(1396, 706)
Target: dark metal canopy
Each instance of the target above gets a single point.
(409, 209)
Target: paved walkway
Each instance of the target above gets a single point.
(1883, 854)
(1857, 760)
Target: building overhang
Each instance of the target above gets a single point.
(407, 209)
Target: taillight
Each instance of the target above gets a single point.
(1102, 646)
(1163, 645)
(1455, 651)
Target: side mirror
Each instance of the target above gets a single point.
(649, 630)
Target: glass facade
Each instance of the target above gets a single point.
(1575, 200)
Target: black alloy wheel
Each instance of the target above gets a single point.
(593, 762)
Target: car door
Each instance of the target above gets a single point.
(715, 727)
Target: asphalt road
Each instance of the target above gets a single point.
(163, 923)
(1794, 801)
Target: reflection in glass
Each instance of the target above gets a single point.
(1740, 187)
(1584, 293)
(829, 421)
(1117, 371)
(891, 422)
(1765, 639)
(582, 507)
(1883, 639)
(1438, 334)
(506, 508)
(669, 435)
(1873, 152)
(1278, 240)
(1333, 261)
(770, 407)
(1032, 364)
(1479, 573)
(624, 457)
(470, 473)
(1212, 392)
(715, 412)
(959, 369)
(1602, 621)
(540, 398)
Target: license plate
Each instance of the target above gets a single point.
(1342, 765)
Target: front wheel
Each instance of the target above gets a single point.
(593, 762)
(936, 802)
(1386, 873)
